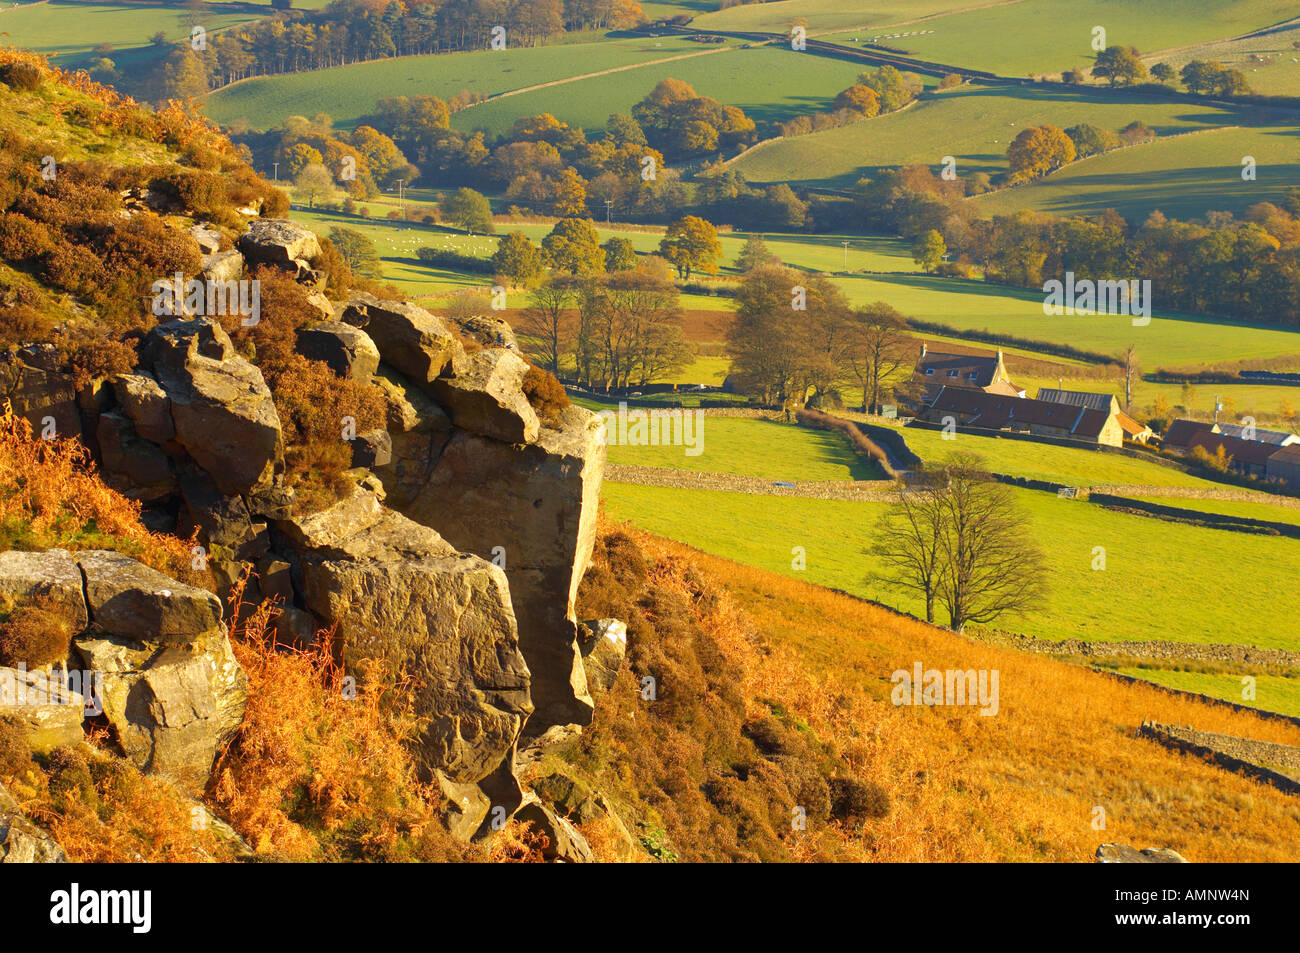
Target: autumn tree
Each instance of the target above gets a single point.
(859, 99)
(547, 317)
(573, 246)
(313, 182)
(470, 211)
(1163, 73)
(1121, 65)
(620, 255)
(358, 251)
(754, 253)
(929, 249)
(691, 244)
(517, 259)
(630, 327)
(875, 352)
(1037, 151)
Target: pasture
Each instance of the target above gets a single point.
(975, 124)
(67, 31)
(1182, 176)
(1032, 37)
(347, 93)
(1042, 461)
(1162, 580)
(769, 84)
(1277, 693)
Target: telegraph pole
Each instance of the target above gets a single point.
(277, 171)
(401, 202)
(609, 208)
(846, 256)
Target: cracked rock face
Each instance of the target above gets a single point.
(163, 669)
(21, 841)
(398, 594)
(222, 411)
(410, 339)
(484, 395)
(174, 706)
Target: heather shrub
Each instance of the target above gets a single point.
(22, 239)
(545, 394)
(35, 635)
(23, 324)
(20, 76)
(69, 777)
(854, 801)
(15, 755)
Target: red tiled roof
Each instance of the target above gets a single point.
(1241, 451)
(1129, 425)
(1181, 432)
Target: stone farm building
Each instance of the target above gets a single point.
(1043, 418)
(1245, 456)
(951, 365)
(1284, 466)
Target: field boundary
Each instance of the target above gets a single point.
(1199, 743)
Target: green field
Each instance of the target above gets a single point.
(1183, 176)
(1172, 339)
(975, 124)
(821, 15)
(66, 32)
(349, 92)
(769, 84)
(1042, 461)
(1269, 61)
(1047, 36)
(1257, 511)
(1272, 692)
(1162, 580)
(758, 448)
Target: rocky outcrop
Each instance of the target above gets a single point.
(30, 380)
(537, 502)
(563, 840)
(602, 643)
(410, 339)
(347, 350)
(173, 706)
(48, 713)
(280, 242)
(144, 401)
(396, 593)
(222, 266)
(221, 409)
(1124, 854)
(488, 331)
(158, 662)
(484, 395)
(21, 841)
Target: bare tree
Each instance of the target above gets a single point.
(875, 352)
(547, 320)
(1132, 370)
(907, 539)
(960, 539)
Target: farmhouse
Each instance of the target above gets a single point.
(1132, 430)
(1284, 466)
(973, 408)
(1245, 456)
(1181, 431)
(951, 365)
(1276, 438)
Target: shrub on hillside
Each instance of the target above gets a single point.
(35, 635)
(15, 755)
(21, 76)
(546, 394)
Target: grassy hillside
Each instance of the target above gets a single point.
(349, 92)
(769, 84)
(1183, 176)
(66, 31)
(1055, 35)
(821, 15)
(975, 124)
(1170, 340)
(1022, 785)
(1162, 580)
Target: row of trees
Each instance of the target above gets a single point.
(1123, 66)
(877, 91)
(1039, 150)
(620, 329)
(796, 339)
(349, 31)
